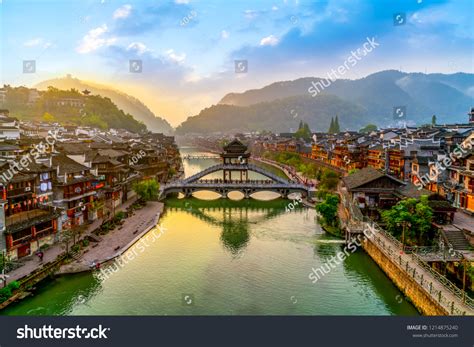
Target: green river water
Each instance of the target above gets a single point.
(227, 257)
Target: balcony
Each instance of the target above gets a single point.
(79, 193)
(25, 219)
(19, 192)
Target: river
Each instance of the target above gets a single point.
(227, 257)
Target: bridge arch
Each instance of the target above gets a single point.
(223, 167)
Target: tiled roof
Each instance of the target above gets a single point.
(362, 177)
(67, 165)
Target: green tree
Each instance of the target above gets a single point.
(303, 132)
(337, 128)
(300, 126)
(368, 129)
(329, 180)
(331, 126)
(328, 209)
(411, 216)
(147, 189)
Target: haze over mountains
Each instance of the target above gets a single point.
(127, 103)
(281, 106)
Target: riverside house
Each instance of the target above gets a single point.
(26, 222)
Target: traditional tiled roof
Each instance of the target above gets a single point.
(67, 165)
(411, 191)
(362, 177)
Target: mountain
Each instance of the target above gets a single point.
(277, 116)
(68, 107)
(125, 102)
(357, 102)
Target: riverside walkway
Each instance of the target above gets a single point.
(443, 292)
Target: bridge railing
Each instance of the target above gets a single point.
(394, 249)
(221, 167)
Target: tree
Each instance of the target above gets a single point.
(337, 128)
(328, 209)
(433, 120)
(147, 190)
(300, 126)
(331, 126)
(409, 219)
(303, 132)
(329, 180)
(48, 117)
(368, 129)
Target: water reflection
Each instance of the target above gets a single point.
(230, 215)
(235, 235)
(69, 292)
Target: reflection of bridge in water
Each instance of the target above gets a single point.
(234, 221)
(200, 213)
(235, 161)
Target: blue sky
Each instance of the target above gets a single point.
(188, 48)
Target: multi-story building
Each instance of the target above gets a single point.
(29, 222)
(376, 157)
(9, 126)
(73, 191)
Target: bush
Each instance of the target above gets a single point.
(85, 242)
(5, 294)
(328, 209)
(14, 285)
(147, 190)
(75, 248)
(120, 215)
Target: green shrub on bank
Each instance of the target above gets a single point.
(7, 292)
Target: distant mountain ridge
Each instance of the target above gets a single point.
(356, 102)
(127, 103)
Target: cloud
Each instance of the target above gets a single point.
(122, 12)
(224, 34)
(33, 42)
(152, 17)
(36, 42)
(251, 14)
(326, 32)
(269, 41)
(174, 57)
(139, 47)
(181, 1)
(95, 39)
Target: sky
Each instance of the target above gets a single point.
(187, 49)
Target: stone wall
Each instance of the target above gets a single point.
(412, 290)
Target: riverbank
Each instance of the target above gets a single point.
(101, 250)
(117, 241)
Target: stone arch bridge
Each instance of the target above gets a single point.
(195, 183)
